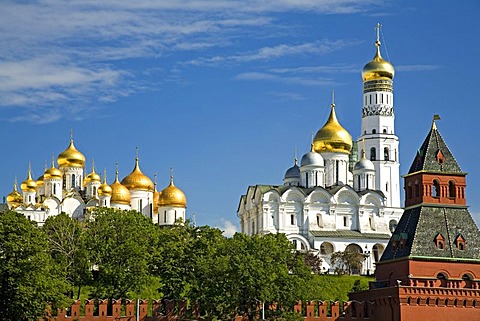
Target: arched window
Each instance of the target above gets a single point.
(373, 154)
(73, 180)
(386, 154)
(417, 189)
(384, 130)
(326, 248)
(451, 189)
(436, 188)
(374, 131)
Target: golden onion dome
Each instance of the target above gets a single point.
(120, 194)
(136, 180)
(92, 177)
(29, 185)
(172, 196)
(332, 137)
(104, 189)
(71, 157)
(378, 68)
(53, 172)
(40, 181)
(14, 199)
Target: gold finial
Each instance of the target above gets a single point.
(435, 117)
(93, 165)
(116, 171)
(155, 180)
(377, 27)
(105, 176)
(136, 152)
(45, 166)
(71, 135)
(53, 160)
(363, 148)
(171, 174)
(333, 98)
(15, 183)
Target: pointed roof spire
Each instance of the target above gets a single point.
(333, 98)
(435, 117)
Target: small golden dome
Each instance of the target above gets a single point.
(40, 181)
(53, 172)
(14, 199)
(92, 177)
(105, 189)
(172, 196)
(378, 68)
(29, 185)
(120, 194)
(136, 180)
(71, 157)
(332, 137)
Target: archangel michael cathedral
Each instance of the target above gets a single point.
(334, 200)
(67, 188)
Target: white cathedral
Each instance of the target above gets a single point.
(67, 189)
(326, 205)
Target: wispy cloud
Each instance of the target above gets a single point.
(408, 68)
(58, 52)
(278, 51)
(318, 69)
(284, 79)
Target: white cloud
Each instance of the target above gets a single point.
(287, 80)
(67, 52)
(228, 228)
(408, 68)
(318, 69)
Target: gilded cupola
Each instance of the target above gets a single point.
(172, 196)
(52, 172)
(136, 180)
(120, 194)
(104, 189)
(92, 177)
(71, 157)
(332, 137)
(378, 68)
(29, 185)
(14, 199)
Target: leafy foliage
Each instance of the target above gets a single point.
(349, 261)
(29, 279)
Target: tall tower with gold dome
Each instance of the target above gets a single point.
(378, 125)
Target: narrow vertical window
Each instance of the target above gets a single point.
(386, 154)
(373, 155)
(436, 188)
(73, 180)
(344, 221)
(451, 189)
(292, 219)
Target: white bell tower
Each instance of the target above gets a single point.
(378, 125)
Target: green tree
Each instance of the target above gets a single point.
(120, 244)
(67, 243)
(349, 261)
(29, 279)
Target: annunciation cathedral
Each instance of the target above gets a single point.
(332, 201)
(67, 189)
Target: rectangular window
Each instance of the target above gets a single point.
(292, 219)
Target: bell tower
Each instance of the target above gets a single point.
(378, 125)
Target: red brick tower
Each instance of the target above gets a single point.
(430, 269)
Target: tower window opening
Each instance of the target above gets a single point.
(384, 130)
(436, 188)
(373, 155)
(417, 189)
(451, 189)
(374, 131)
(370, 99)
(306, 179)
(386, 154)
(345, 221)
(381, 96)
(440, 241)
(409, 191)
(73, 180)
(292, 219)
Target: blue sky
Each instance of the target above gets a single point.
(225, 90)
